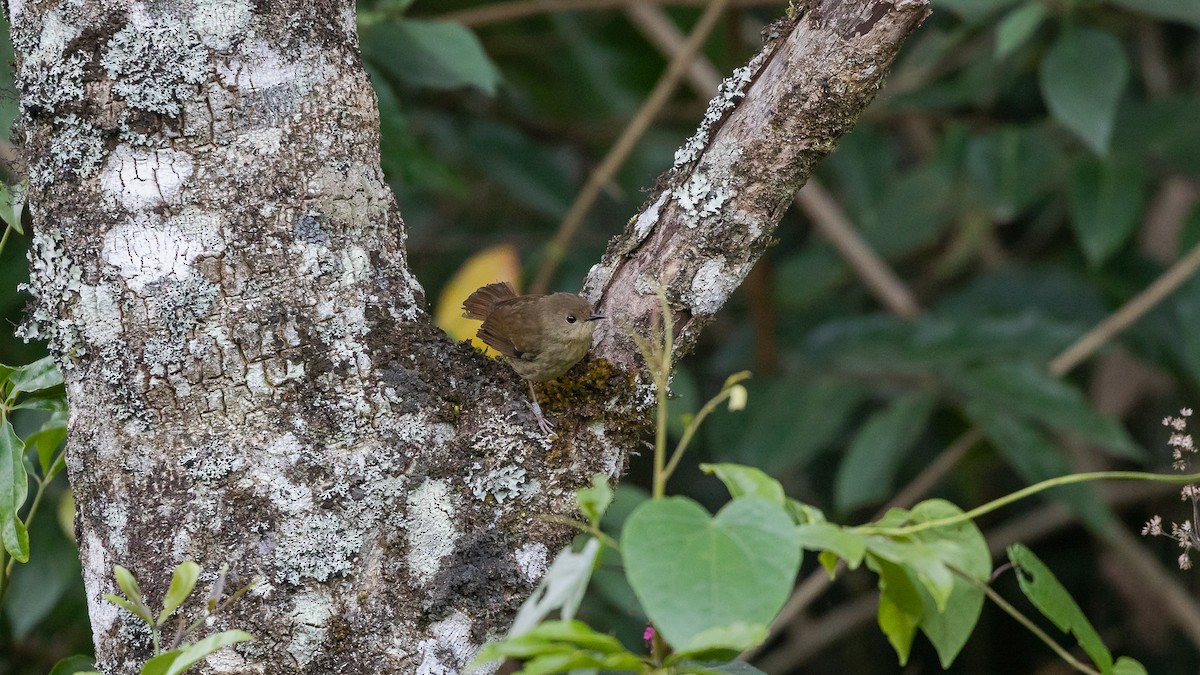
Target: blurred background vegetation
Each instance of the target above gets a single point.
(1029, 168)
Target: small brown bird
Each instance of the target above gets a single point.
(542, 336)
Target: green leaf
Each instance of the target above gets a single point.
(1010, 168)
(846, 544)
(693, 572)
(1182, 11)
(928, 569)
(1082, 78)
(580, 663)
(558, 647)
(133, 593)
(747, 481)
(1026, 389)
(46, 442)
(189, 656)
(41, 374)
(900, 606)
(594, 501)
(1106, 200)
(74, 665)
(14, 487)
(1054, 602)
(182, 583)
(804, 514)
(433, 54)
(53, 400)
(12, 202)
(562, 587)
(35, 589)
(1128, 666)
(962, 545)
(868, 470)
(1017, 26)
(160, 664)
(141, 612)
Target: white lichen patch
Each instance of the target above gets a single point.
(260, 141)
(155, 63)
(612, 460)
(226, 660)
(77, 148)
(54, 281)
(310, 616)
(218, 22)
(211, 460)
(141, 179)
(50, 78)
(712, 285)
(501, 483)
(318, 546)
(144, 253)
(271, 80)
(532, 560)
(431, 531)
(116, 517)
(647, 219)
(700, 198)
(731, 91)
(97, 574)
(596, 281)
(453, 636)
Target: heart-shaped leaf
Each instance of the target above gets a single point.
(695, 574)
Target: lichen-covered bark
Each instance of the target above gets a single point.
(715, 211)
(219, 269)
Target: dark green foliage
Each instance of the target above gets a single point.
(1007, 172)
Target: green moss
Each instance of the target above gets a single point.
(594, 389)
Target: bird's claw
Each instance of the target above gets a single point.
(544, 423)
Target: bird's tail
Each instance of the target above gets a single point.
(481, 302)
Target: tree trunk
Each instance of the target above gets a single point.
(219, 268)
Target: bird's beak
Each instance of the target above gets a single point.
(596, 316)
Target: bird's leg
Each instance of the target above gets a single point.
(537, 411)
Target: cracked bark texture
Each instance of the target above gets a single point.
(219, 269)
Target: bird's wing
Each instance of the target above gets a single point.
(502, 345)
(480, 304)
(499, 333)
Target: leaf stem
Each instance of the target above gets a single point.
(696, 421)
(1026, 622)
(1023, 493)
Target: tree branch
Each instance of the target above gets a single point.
(716, 209)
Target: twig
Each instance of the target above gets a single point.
(625, 145)
(833, 223)
(1026, 622)
(828, 216)
(1131, 311)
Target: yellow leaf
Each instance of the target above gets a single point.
(495, 264)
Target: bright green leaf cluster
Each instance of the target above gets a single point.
(33, 387)
(179, 655)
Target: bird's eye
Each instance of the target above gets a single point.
(570, 318)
